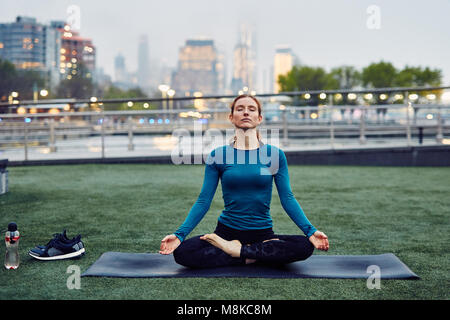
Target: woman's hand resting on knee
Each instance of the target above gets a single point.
(169, 244)
(320, 240)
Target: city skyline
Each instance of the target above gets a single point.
(410, 32)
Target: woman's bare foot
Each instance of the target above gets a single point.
(233, 247)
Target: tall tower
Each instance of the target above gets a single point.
(283, 63)
(143, 72)
(120, 70)
(197, 68)
(244, 61)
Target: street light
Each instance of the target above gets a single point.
(164, 88)
(171, 93)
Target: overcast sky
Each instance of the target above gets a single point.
(325, 33)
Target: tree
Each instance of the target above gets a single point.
(21, 81)
(379, 75)
(79, 86)
(346, 76)
(117, 93)
(8, 75)
(304, 78)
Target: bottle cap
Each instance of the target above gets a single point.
(12, 227)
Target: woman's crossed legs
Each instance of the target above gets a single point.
(211, 250)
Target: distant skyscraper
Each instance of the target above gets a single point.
(283, 63)
(120, 70)
(31, 45)
(244, 61)
(197, 68)
(143, 71)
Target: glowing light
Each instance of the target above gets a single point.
(146, 105)
(130, 103)
(170, 93)
(282, 107)
(307, 96)
(429, 116)
(446, 96)
(314, 115)
(163, 87)
(93, 99)
(383, 96)
(322, 95)
(351, 96)
(151, 121)
(21, 110)
(413, 96)
(53, 111)
(368, 96)
(431, 96)
(14, 94)
(338, 96)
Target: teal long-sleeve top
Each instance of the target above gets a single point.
(247, 177)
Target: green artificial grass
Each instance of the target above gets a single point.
(130, 208)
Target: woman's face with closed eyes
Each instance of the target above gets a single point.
(245, 114)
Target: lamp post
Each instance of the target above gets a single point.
(170, 93)
(164, 88)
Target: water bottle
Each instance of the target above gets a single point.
(12, 247)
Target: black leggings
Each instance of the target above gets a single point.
(197, 253)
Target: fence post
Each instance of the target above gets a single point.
(25, 137)
(285, 128)
(331, 123)
(362, 126)
(103, 135)
(130, 134)
(408, 125)
(439, 134)
(52, 135)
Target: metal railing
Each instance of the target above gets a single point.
(103, 134)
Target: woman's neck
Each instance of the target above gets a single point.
(246, 139)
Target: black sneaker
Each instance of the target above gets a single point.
(59, 248)
(60, 236)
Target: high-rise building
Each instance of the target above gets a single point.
(76, 51)
(30, 45)
(197, 68)
(143, 71)
(283, 63)
(244, 61)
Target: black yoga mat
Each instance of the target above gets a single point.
(154, 265)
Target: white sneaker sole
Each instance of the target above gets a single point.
(60, 257)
